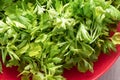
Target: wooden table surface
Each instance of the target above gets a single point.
(113, 73)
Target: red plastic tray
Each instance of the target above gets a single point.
(101, 66)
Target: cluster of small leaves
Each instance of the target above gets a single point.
(116, 3)
(42, 37)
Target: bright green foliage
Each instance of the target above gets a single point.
(42, 37)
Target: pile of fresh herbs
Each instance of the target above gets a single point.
(42, 37)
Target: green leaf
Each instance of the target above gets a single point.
(113, 12)
(81, 67)
(56, 60)
(13, 54)
(23, 50)
(39, 9)
(10, 9)
(38, 76)
(35, 49)
(88, 65)
(4, 55)
(41, 38)
(87, 50)
(83, 34)
(116, 38)
(12, 62)
(25, 78)
(22, 44)
(19, 25)
(0, 67)
(3, 27)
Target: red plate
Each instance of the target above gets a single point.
(101, 66)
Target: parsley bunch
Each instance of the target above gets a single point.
(42, 37)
